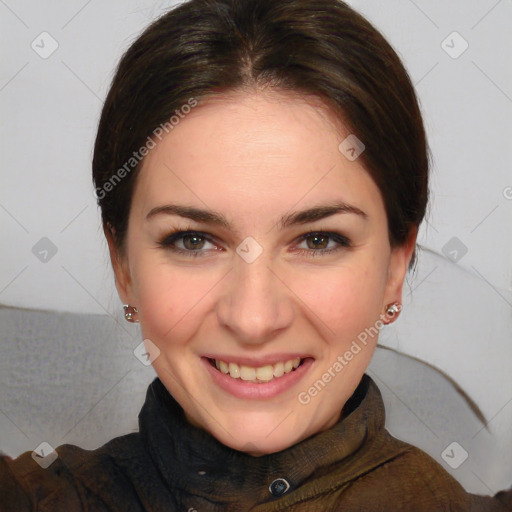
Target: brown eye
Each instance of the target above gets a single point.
(323, 243)
(193, 242)
(188, 243)
(317, 241)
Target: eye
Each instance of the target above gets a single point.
(320, 243)
(192, 243)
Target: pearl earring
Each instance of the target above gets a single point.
(129, 311)
(393, 309)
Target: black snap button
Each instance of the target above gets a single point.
(278, 487)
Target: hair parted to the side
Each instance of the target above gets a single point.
(312, 47)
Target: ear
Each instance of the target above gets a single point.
(119, 265)
(398, 266)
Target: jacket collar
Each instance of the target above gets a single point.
(192, 460)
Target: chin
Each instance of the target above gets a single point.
(258, 447)
(258, 434)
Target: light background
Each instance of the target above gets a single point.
(457, 313)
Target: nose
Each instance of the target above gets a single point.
(256, 305)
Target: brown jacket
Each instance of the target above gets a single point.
(172, 466)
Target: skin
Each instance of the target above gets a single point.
(255, 157)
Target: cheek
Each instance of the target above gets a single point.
(346, 300)
(170, 300)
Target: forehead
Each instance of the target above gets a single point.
(254, 153)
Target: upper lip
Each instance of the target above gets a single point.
(270, 359)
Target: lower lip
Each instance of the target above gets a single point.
(244, 389)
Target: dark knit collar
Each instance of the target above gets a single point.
(191, 459)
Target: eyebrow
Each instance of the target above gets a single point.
(217, 219)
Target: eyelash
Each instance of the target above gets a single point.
(170, 239)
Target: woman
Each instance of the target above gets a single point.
(262, 170)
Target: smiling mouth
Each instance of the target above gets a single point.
(261, 374)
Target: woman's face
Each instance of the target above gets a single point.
(272, 274)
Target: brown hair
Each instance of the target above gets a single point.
(318, 47)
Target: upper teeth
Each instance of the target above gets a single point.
(262, 373)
